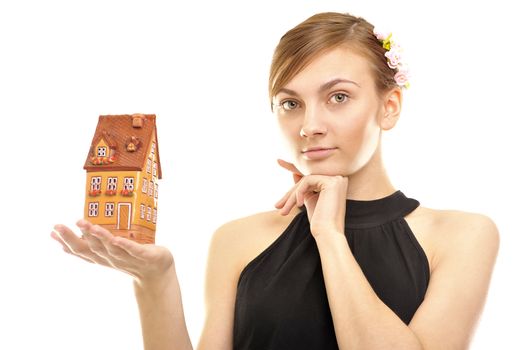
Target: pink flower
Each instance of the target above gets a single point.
(393, 58)
(402, 78)
(380, 35)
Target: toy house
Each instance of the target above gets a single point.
(122, 170)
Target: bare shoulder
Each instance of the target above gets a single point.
(232, 246)
(447, 232)
(244, 238)
(465, 247)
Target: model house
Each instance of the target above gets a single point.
(122, 170)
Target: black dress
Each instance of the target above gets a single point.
(281, 302)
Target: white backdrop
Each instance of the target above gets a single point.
(202, 68)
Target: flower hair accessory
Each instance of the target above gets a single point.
(394, 57)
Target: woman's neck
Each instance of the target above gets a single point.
(371, 181)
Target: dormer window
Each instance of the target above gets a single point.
(101, 151)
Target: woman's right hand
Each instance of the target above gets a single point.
(156, 286)
(145, 262)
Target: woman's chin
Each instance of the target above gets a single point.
(325, 170)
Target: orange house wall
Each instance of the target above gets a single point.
(136, 200)
(144, 198)
(102, 198)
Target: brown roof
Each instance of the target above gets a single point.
(117, 131)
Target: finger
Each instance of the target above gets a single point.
(96, 237)
(96, 246)
(134, 249)
(111, 249)
(296, 174)
(291, 201)
(56, 237)
(289, 166)
(281, 202)
(305, 190)
(74, 243)
(61, 233)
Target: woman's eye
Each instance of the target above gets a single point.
(339, 98)
(289, 105)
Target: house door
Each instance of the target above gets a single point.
(124, 216)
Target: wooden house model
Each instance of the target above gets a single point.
(122, 170)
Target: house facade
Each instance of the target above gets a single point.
(122, 172)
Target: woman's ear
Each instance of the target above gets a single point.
(392, 106)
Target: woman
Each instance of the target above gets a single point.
(347, 261)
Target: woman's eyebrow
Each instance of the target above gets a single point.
(287, 91)
(333, 82)
(322, 88)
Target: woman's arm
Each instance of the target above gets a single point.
(361, 320)
(161, 312)
(156, 285)
(454, 299)
(453, 303)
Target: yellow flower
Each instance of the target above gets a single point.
(387, 42)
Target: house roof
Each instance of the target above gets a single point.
(118, 131)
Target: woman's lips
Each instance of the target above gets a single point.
(317, 154)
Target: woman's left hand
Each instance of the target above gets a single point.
(324, 196)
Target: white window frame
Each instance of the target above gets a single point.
(101, 151)
(149, 214)
(154, 220)
(150, 189)
(95, 182)
(144, 185)
(143, 210)
(148, 165)
(154, 171)
(156, 191)
(152, 150)
(93, 209)
(112, 184)
(109, 210)
(128, 183)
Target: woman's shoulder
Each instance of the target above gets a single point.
(244, 238)
(453, 232)
(456, 222)
(451, 217)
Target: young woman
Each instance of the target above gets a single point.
(346, 261)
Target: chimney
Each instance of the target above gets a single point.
(138, 120)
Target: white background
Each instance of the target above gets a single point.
(202, 68)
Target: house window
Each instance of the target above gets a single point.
(156, 190)
(154, 173)
(150, 189)
(143, 209)
(110, 208)
(149, 214)
(128, 183)
(95, 183)
(144, 185)
(101, 152)
(154, 220)
(112, 183)
(93, 209)
(148, 165)
(152, 150)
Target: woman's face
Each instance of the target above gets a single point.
(331, 104)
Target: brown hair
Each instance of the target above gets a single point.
(321, 33)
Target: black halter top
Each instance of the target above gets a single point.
(281, 301)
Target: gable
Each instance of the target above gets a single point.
(126, 138)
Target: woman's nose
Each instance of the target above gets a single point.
(312, 123)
